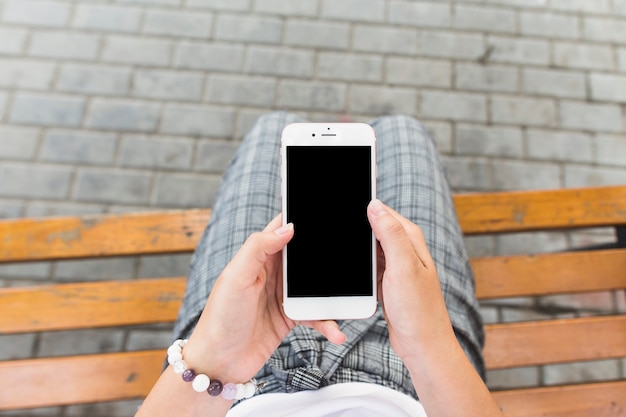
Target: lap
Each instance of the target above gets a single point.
(411, 179)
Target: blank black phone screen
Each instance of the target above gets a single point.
(328, 190)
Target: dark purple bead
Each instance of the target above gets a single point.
(189, 375)
(215, 388)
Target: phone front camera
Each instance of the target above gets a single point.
(313, 134)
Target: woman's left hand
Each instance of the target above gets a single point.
(243, 321)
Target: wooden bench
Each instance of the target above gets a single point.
(41, 382)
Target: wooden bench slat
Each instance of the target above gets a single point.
(90, 305)
(541, 210)
(98, 236)
(83, 306)
(128, 375)
(78, 379)
(125, 375)
(80, 305)
(555, 341)
(179, 231)
(545, 274)
(603, 399)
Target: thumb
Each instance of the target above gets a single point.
(388, 229)
(256, 250)
(400, 239)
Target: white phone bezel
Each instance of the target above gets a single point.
(328, 134)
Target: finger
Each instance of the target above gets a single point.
(394, 230)
(256, 250)
(416, 235)
(329, 329)
(390, 232)
(274, 223)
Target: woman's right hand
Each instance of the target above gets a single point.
(408, 284)
(419, 326)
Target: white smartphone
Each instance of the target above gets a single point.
(328, 177)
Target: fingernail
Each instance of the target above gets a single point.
(377, 207)
(282, 230)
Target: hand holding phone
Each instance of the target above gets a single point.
(328, 178)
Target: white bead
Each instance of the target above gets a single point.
(179, 367)
(201, 383)
(174, 357)
(250, 389)
(241, 392)
(174, 350)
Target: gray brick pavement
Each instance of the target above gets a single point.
(371, 11)
(241, 90)
(78, 147)
(107, 18)
(592, 116)
(154, 153)
(385, 39)
(316, 33)
(178, 24)
(209, 56)
(84, 341)
(41, 181)
(185, 190)
(47, 110)
(554, 83)
(512, 175)
(304, 8)
(123, 115)
(549, 24)
(524, 111)
(257, 29)
(418, 72)
(279, 62)
(577, 55)
(560, 146)
(487, 78)
(197, 121)
(98, 80)
(95, 269)
(18, 143)
(13, 40)
(453, 105)
(139, 104)
(64, 45)
(451, 45)
(27, 74)
(582, 372)
(489, 141)
(137, 51)
(100, 185)
(168, 85)
(4, 98)
(478, 17)
(36, 13)
(420, 14)
(18, 346)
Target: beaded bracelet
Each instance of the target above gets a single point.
(201, 382)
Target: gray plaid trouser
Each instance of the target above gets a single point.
(411, 180)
